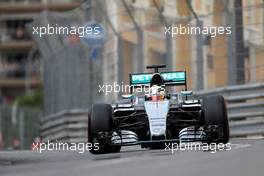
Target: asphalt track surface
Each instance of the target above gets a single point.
(246, 158)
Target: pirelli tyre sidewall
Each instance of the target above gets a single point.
(100, 119)
(215, 113)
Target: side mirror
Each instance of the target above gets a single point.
(127, 96)
(186, 93)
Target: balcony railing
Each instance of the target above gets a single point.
(19, 71)
(14, 34)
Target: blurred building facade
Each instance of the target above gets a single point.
(20, 63)
(254, 35)
(226, 59)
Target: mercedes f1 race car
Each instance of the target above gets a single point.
(157, 116)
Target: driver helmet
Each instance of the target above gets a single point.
(157, 93)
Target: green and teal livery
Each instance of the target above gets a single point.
(170, 78)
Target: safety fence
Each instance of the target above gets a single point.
(245, 105)
(18, 127)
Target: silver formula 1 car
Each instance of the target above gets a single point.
(159, 115)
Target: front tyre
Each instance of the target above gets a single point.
(100, 119)
(215, 113)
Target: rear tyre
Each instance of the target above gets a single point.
(215, 113)
(100, 119)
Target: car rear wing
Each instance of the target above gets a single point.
(176, 78)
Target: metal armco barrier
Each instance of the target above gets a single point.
(245, 105)
(66, 126)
